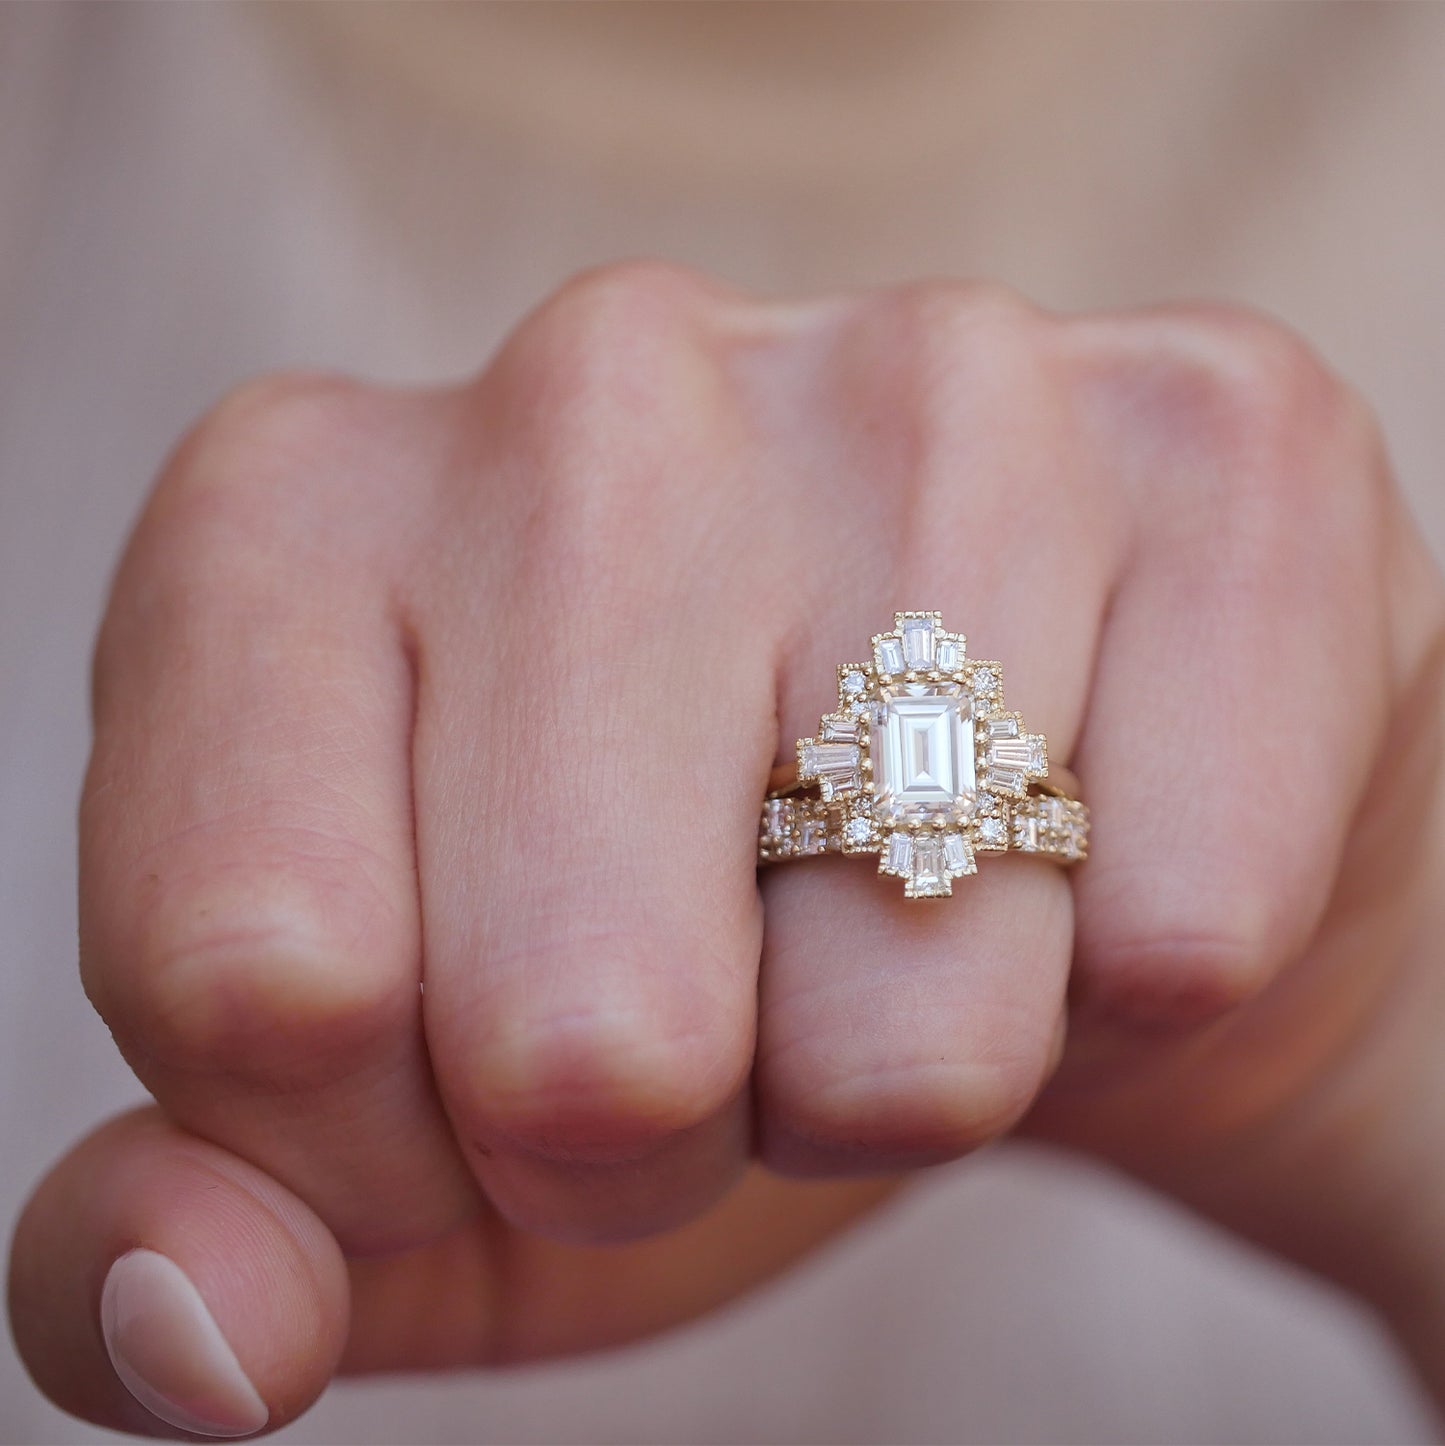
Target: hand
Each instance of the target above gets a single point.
(482, 686)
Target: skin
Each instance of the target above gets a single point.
(480, 687)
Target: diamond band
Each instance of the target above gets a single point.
(923, 766)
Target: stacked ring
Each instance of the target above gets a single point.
(923, 766)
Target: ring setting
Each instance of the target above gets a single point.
(922, 765)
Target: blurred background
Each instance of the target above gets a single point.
(193, 193)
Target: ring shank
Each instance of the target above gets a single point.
(1048, 822)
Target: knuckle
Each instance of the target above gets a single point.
(566, 391)
(1173, 977)
(248, 476)
(947, 304)
(276, 418)
(954, 325)
(1253, 393)
(1282, 456)
(1165, 945)
(247, 504)
(605, 332)
(642, 290)
(1266, 388)
(942, 354)
(920, 1113)
(598, 1085)
(1294, 455)
(254, 976)
(286, 459)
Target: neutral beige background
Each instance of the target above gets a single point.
(189, 194)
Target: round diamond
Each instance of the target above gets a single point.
(985, 680)
(858, 831)
(854, 683)
(990, 831)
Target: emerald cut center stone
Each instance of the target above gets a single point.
(922, 749)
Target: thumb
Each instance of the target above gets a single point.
(159, 1282)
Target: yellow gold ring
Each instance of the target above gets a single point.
(922, 765)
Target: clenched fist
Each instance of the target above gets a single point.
(418, 842)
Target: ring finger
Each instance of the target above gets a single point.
(894, 1032)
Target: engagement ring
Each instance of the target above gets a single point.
(922, 765)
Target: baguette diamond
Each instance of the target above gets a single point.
(833, 765)
(930, 873)
(918, 642)
(889, 655)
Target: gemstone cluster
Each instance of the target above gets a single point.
(922, 765)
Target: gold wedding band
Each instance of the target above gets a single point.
(923, 766)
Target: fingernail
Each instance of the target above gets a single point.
(168, 1350)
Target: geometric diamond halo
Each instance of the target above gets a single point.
(921, 763)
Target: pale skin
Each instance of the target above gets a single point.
(479, 688)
